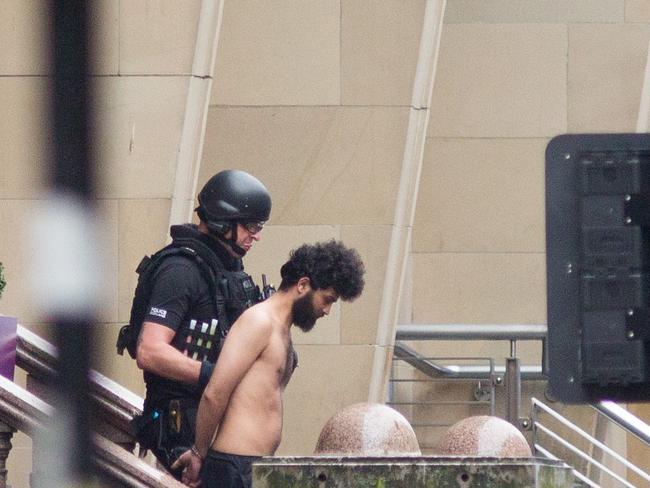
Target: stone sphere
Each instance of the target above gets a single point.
(484, 436)
(367, 429)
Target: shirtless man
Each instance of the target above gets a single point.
(240, 413)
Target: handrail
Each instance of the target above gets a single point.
(576, 473)
(454, 371)
(38, 358)
(26, 412)
(582, 454)
(415, 359)
(491, 332)
(463, 332)
(20, 409)
(570, 425)
(625, 419)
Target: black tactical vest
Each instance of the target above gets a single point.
(232, 292)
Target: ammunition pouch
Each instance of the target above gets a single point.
(200, 341)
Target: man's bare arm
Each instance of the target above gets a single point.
(245, 342)
(156, 355)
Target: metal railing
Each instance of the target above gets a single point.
(611, 411)
(512, 375)
(112, 403)
(23, 411)
(512, 372)
(113, 408)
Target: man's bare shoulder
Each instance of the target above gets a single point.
(256, 319)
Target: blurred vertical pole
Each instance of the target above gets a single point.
(72, 182)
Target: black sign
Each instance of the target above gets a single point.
(598, 267)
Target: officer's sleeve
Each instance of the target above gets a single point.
(176, 284)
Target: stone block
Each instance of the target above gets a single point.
(380, 43)
(25, 136)
(500, 80)
(417, 472)
(25, 33)
(606, 69)
(139, 134)
(157, 37)
(278, 53)
(486, 288)
(359, 319)
(637, 10)
(322, 165)
(481, 195)
(534, 11)
(328, 378)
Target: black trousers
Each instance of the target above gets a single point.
(221, 470)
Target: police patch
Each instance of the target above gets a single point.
(158, 312)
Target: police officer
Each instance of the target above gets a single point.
(190, 309)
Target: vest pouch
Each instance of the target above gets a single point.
(200, 340)
(167, 431)
(241, 293)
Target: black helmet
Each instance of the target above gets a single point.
(233, 195)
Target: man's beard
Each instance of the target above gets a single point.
(304, 315)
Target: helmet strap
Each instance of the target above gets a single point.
(231, 241)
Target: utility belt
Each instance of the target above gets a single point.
(167, 430)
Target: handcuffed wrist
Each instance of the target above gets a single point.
(204, 375)
(196, 452)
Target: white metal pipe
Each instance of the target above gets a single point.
(585, 435)
(190, 149)
(400, 241)
(584, 479)
(625, 419)
(582, 454)
(463, 332)
(576, 473)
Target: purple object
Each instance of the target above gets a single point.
(8, 327)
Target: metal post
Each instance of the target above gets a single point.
(493, 382)
(69, 296)
(513, 386)
(6, 433)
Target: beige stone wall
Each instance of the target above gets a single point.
(312, 96)
(511, 75)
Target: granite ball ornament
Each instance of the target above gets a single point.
(367, 429)
(484, 436)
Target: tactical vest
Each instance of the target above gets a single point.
(232, 292)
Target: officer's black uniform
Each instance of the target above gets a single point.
(199, 309)
(183, 300)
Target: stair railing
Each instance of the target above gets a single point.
(114, 405)
(21, 410)
(513, 376)
(473, 332)
(613, 412)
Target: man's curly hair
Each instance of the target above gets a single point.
(326, 264)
